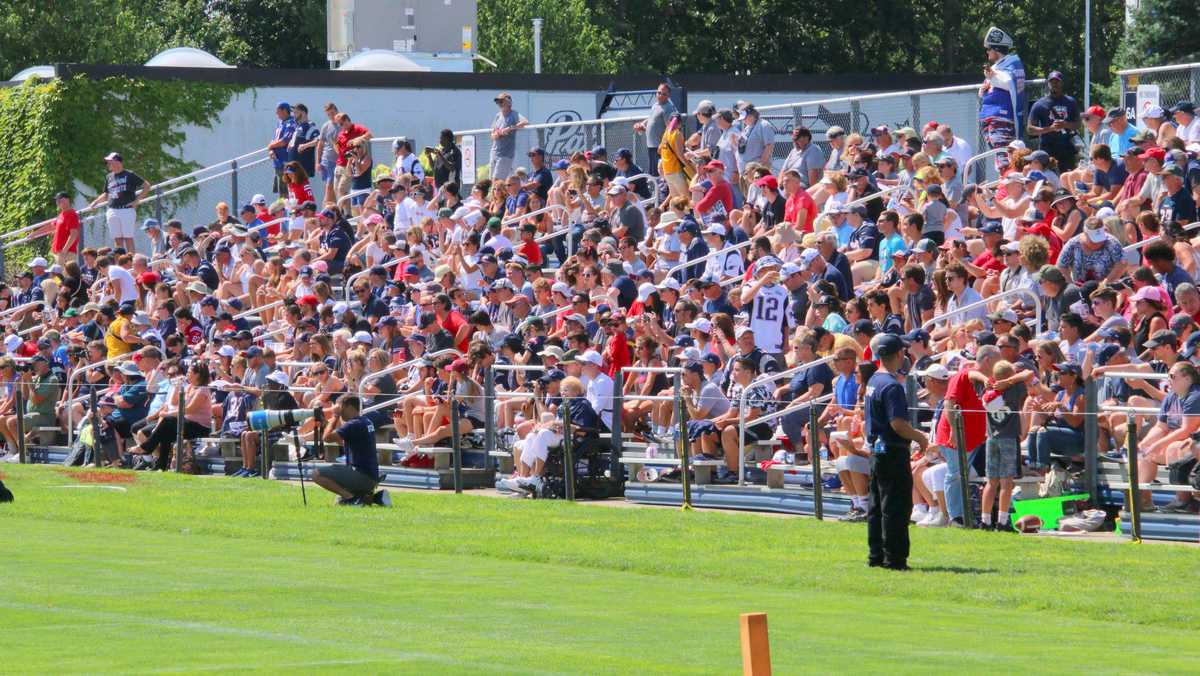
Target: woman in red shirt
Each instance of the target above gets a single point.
(297, 181)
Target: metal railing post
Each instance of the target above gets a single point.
(814, 440)
(455, 445)
(179, 420)
(681, 443)
(264, 456)
(618, 403)
(1135, 493)
(489, 415)
(158, 205)
(233, 188)
(960, 441)
(1091, 441)
(19, 405)
(568, 459)
(95, 411)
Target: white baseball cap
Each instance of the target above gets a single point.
(12, 343)
(702, 325)
(226, 351)
(715, 229)
(363, 337)
(645, 290)
(340, 307)
(278, 377)
(259, 198)
(38, 262)
(592, 357)
(935, 371)
(561, 287)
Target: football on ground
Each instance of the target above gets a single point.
(116, 572)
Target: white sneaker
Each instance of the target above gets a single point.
(383, 498)
(919, 513)
(938, 520)
(404, 445)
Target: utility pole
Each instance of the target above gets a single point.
(537, 45)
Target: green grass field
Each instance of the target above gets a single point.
(186, 574)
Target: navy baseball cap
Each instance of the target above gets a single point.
(916, 336)
(695, 367)
(624, 153)
(713, 359)
(886, 344)
(864, 326)
(599, 151)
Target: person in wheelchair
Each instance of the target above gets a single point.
(534, 449)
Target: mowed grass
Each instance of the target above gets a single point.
(187, 574)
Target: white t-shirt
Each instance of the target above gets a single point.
(600, 396)
(768, 316)
(499, 243)
(728, 265)
(960, 151)
(122, 284)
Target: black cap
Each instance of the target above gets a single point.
(128, 308)
(1162, 337)
(863, 326)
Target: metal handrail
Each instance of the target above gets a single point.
(349, 283)
(876, 97)
(874, 196)
(1021, 291)
(256, 310)
(705, 257)
(763, 379)
(1135, 375)
(549, 207)
(21, 308)
(978, 158)
(352, 194)
(1158, 69)
(71, 379)
(554, 313)
(1138, 245)
(399, 367)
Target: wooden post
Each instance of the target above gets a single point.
(756, 649)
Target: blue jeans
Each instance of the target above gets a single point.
(953, 485)
(1061, 440)
(793, 425)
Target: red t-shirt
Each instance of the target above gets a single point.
(301, 192)
(452, 323)
(531, 252)
(989, 262)
(616, 354)
(960, 390)
(800, 200)
(344, 138)
(720, 192)
(1042, 229)
(63, 225)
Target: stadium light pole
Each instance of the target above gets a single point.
(537, 46)
(1087, 54)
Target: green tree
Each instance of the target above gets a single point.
(1162, 33)
(572, 41)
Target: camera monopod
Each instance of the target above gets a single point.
(262, 421)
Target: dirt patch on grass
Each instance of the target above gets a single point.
(100, 477)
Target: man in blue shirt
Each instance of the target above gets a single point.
(1054, 119)
(354, 482)
(889, 431)
(1177, 206)
(302, 147)
(278, 146)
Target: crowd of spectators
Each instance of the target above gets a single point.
(721, 258)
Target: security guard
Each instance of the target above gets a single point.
(888, 432)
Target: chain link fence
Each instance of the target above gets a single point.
(1164, 86)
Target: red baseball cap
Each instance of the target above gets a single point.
(1156, 152)
(930, 126)
(148, 277)
(769, 182)
(1095, 111)
(308, 300)
(716, 165)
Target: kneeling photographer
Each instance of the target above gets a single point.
(354, 483)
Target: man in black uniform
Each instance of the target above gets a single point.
(888, 432)
(354, 482)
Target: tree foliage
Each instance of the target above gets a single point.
(573, 41)
(1163, 32)
(53, 136)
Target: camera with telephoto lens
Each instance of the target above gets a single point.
(262, 421)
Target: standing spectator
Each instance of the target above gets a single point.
(955, 146)
(1002, 94)
(65, 229)
(447, 160)
(284, 130)
(656, 123)
(1054, 119)
(676, 170)
(123, 191)
(702, 145)
(504, 140)
(805, 158)
(327, 150)
(756, 141)
(350, 136)
(303, 146)
(406, 159)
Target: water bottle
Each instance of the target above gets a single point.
(652, 451)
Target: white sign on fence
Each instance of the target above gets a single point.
(468, 160)
(1147, 98)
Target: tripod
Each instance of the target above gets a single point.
(299, 461)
